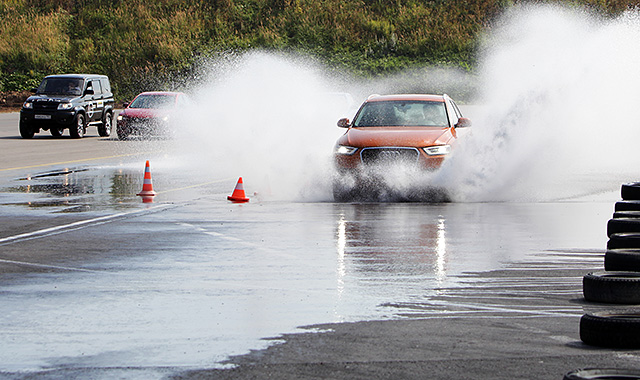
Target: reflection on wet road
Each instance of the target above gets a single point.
(198, 278)
(69, 190)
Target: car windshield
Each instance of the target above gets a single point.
(61, 86)
(154, 101)
(402, 114)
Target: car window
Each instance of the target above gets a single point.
(106, 86)
(97, 88)
(153, 101)
(402, 113)
(456, 109)
(61, 86)
(456, 114)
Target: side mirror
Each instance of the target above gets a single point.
(463, 122)
(125, 104)
(89, 91)
(344, 123)
(34, 90)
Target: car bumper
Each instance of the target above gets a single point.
(143, 127)
(47, 119)
(364, 158)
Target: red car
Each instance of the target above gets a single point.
(415, 131)
(152, 114)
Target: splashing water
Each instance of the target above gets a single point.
(556, 115)
(559, 94)
(271, 119)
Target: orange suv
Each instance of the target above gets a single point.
(416, 131)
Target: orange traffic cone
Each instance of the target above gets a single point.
(238, 195)
(147, 192)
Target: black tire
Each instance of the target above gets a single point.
(56, 132)
(622, 260)
(630, 191)
(620, 225)
(626, 214)
(624, 240)
(26, 131)
(627, 206)
(342, 194)
(602, 374)
(619, 329)
(345, 187)
(122, 135)
(104, 130)
(612, 287)
(77, 130)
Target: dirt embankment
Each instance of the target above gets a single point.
(11, 101)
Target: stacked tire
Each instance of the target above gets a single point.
(603, 374)
(619, 283)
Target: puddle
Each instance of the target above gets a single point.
(75, 190)
(53, 174)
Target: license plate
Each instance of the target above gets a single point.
(43, 117)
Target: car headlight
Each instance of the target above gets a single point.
(345, 150)
(65, 106)
(437, 150)
(27, 105)
(120, 117)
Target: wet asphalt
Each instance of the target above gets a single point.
(96, 284)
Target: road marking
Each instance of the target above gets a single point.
(49, 266)
(72, 226)
(66, 228)
(257, 246)
(192, 186)
(73, 161)
(551, 311)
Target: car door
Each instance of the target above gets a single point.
(107, 95)
(98, 101)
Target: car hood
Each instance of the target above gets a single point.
(51, 98)
(396, 136)
(145, 112)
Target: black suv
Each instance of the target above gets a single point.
(73, 101)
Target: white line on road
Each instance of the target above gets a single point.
(67, 228)
(71, 226)
(49, 266)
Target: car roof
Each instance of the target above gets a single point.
(172, 93)
(400, 97)
(76, 76)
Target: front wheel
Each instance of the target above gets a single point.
(26, 131)
(341, 194)
(122, 134)
(55, 132)
(77, 131)
(345, 187)
(104, 130)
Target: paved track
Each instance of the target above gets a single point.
(43, 150)
(515, 320)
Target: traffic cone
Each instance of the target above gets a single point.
(147, 192)
(238, 195)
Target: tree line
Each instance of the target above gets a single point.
(133, 41)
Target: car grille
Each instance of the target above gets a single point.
(45, 106)
(139, 120)
(143, 125)
(389, 155)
